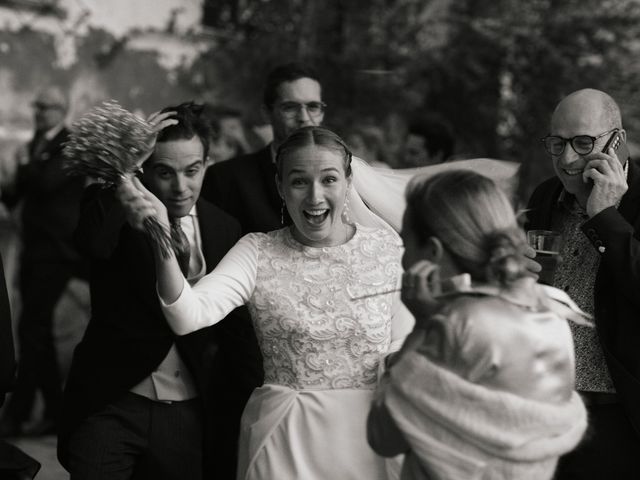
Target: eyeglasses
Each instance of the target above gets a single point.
(292, 109)
(581, 144)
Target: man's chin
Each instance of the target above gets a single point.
(178, 212)
(576, 187)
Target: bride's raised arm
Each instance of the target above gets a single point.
(188, 308)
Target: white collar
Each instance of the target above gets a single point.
(52, 132)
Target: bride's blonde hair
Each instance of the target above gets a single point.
(473, 219)
(314, 136)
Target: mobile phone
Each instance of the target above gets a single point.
(613, 142)
(446, 286)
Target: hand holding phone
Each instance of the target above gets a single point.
(607, 176)
(613, 142)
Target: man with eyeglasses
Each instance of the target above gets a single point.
(594, 203)
(49, 260)
(245, 186)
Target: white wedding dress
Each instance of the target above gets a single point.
(323, 330)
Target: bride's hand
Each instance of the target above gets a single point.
(158, 122)
(140, 204)
(420, 288)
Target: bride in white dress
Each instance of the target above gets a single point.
(326, 310)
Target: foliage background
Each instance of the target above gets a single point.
(495, 69)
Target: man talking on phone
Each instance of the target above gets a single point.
(594, 202)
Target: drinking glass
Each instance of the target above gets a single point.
(547, 244)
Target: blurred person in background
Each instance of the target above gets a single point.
(49, 260)
(367, 143)
(229, 137)
(14, 464)
(245, 187)
(429, 141)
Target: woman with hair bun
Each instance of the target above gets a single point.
(483, 387)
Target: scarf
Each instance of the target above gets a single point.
(458, 429)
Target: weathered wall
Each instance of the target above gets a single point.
(131, 51)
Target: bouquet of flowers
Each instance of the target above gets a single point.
(109, 144)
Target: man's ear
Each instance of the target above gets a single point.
(623, 134)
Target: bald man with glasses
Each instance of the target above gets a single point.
(245, 186)
(594, 202)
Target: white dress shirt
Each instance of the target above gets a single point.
(171, 381)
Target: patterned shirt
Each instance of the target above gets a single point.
(576, 275)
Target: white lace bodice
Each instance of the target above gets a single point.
(312, 332)
(317, 321)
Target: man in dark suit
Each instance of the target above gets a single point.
(594, 201)
(135, 395)
(245, 186)
(49, 260)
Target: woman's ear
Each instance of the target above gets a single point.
(349, 187)
(434, 249)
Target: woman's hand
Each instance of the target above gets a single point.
(158, 121)
(140, 204)
(532, 266)
(420, 287)
(542, 268)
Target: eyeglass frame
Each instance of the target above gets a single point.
(570, 142)
(300, 106)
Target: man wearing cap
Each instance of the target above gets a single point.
(50, 200)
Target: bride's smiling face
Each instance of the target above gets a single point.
(314, 186)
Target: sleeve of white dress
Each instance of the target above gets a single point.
(228, 286)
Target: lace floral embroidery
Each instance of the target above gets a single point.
(312, 332)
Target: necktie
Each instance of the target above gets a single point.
(38, 145)
(181, 247)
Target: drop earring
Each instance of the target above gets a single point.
(282, 213)
(345, 212)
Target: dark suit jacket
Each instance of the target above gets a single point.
(127, 336)
(617, 285)
(245, 188)
(51, 203)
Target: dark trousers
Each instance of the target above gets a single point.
(41, 286)
(610, 449)
(137, 438)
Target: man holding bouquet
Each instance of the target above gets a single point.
(137, 400)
